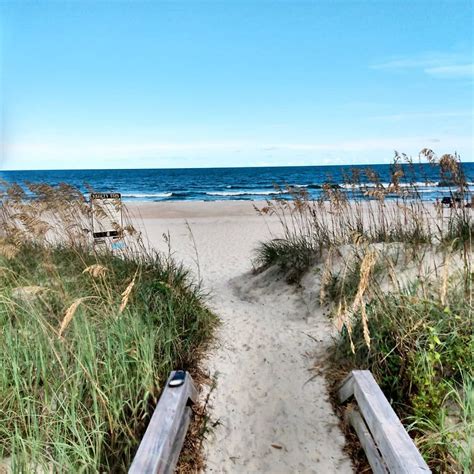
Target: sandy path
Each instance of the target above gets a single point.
(266, 394)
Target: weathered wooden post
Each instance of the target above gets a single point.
(161, 445)
(387, 445)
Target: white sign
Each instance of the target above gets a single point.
(106, 215)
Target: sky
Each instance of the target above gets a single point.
(95, 84)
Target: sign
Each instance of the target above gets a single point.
(106, 215)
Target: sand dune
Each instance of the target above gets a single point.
(273, 410)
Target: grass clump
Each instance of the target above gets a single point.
(398, 278)
(292, 255)
(88, 338)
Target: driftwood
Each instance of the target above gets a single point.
(161, 445)
(387, 445)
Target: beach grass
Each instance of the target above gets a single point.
(417, 339)
(384, 214)
(88, 336)
(397, 274)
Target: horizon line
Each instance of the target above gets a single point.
(216, 167)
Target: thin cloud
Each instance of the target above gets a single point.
(441, 65)
(456, 71)
(425, 115)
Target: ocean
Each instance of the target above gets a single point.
(213, 184)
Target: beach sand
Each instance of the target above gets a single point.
(271, 402)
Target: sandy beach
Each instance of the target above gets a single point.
(200, 189)
(270, 403)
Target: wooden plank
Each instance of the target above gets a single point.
(347, 388)
(397, 448)
(373, 455)
(160, 447)
(183, 429)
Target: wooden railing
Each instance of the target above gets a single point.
(388, 447)
(161, 445)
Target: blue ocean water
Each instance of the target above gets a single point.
(211, 184)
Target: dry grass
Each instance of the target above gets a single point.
(126, 294)
(70, 312)
(96, 270)
(385, 214)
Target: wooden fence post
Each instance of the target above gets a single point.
(161, 445)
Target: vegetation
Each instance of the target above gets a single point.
(397, 273)
(417, 339)
(368, 212)
(88, 335)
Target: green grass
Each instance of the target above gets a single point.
(80, 402)
(460, 231)
(422, 355)
(292, 255)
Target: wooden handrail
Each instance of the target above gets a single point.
(161, 445)
(386, 443)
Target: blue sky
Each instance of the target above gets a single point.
(194, 84)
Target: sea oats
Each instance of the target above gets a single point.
(126, 294)
(368, 263)
(96, 270)
(70, 312)
(8, 250)
(444, 284)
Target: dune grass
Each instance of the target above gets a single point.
(397, 274)
(88, 336)
(418, 342)
(384, 214)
